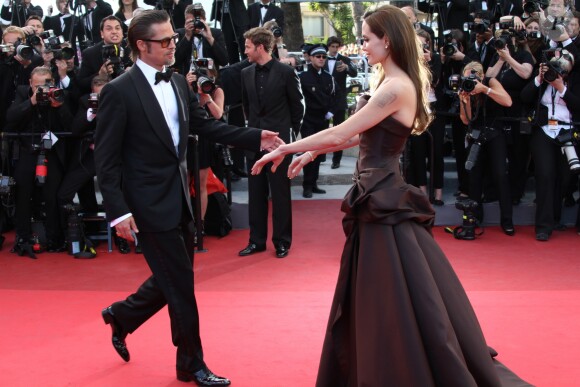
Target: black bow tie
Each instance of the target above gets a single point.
(331, 58)
(166, 76)
(264, 6)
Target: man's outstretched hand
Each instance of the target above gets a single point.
(270, 141)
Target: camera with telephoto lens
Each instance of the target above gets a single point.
(532, 6)
(197, 16)
(458, 83)
(51, 41)
(199, 67)
(78, 244)
(33, 40)
(449, 48)
(64, 53)
(114, 54)
(559, 62)
(503, 40)
(22, 50)
(277, 31)
(467, 230)
(567, 138)
(534, 35)
(47, 93)
(94, 102)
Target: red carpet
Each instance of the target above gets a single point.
(263, 318)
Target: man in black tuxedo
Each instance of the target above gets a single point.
(263, 11)
(96, 12)
(199, 42)
(23, 11)
(93, 62)
(140, 158)
(271, 98)
(339, 66)
(233, 18)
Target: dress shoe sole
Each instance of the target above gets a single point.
(120, 347)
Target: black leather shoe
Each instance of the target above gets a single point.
(203, 377)
(118, 338)
(251, 249)
(508, 228)
(307, 193)
(282, 250)
(542, 236)
(23, 247)
(122, 245)
(335, 166)
(317, 190)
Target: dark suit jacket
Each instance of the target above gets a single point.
(92, 62)
(340, 82)
(238, 12)
(138, 169)
(53, 23)
(102, 10)
(217, 52)
(18, 19)
(273, 13)
(283, 110)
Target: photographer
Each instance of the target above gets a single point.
(512, 66)
(37, 110)
(535, 42)
(482, 101)
(97, 11)
(198, 41)
(33, 29)
(212, 100)
(482, 50)
(421, 145)
(93, 61)
(24, 9)
(62, 25)
(263, 11)
(452, 58)
(556, 93)
(14, 68)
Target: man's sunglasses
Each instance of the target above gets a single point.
(164, 42)
(320, 56)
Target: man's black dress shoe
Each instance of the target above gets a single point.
(542, 236)
(251, 249)
(23, 247)
(307, 193)
(118, 338)
(282, 250)
(203, 377)
(508, 228)
(335, 165)
(122, 245)
(317, 190)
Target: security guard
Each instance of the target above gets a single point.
(318, 88)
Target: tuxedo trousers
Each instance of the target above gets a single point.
(169, 255)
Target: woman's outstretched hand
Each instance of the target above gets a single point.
(297, 164)
(276, 157)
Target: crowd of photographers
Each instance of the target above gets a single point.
(508, 85)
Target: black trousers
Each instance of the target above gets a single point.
(339, 118)
(519, 160)
(492, 161)
(459, 131)
(169, 255)
(79, 178)
(24, 175)
(277, 185)
(552, 174)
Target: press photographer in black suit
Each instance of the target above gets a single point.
(271, 98)
(96, 12)
(31, 114)
(262, 11)
(140, 157)
(339, 66)
(24, 10)
(62, 23)
(199, 43)
(233, 18)
(93, 63)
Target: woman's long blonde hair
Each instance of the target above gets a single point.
(407, 52)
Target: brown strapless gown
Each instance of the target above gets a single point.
(400, 316)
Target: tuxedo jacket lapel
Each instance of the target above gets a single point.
(151, 107)
(252, 92)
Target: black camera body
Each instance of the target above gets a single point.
(561, 66)
(197, 15)
(33, 40)
(8, 51)
(46, 93)
(467, 230)
(532, 6)
(458, 83)
(114, 54)
(277, 31)
(94, 101)
(449, 48)
(534, 35)
(503, 40)
(481, 27)
(206, 83)
(51, 41)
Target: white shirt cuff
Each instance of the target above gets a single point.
(65, 82)
(536, 82)
(566, 42)
(120, 219)
(561, 94)
(90, 115)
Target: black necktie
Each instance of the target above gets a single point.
(166, 76)
(331, 58)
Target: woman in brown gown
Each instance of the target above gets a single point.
(400, 316)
